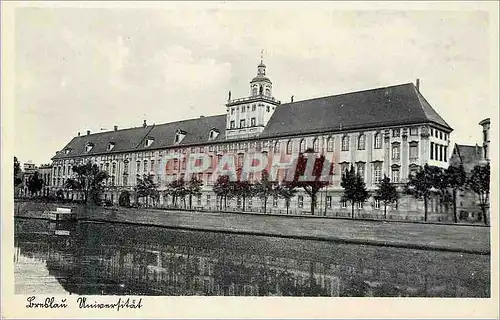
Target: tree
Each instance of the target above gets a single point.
(354, 188)
(124, 199)
(286, 191)
(17, 173)
(456, 179)
(222, 189)
(264, 188)
(479, 182)
(387, 193)
(89, 179)
(177, 190)
(423, 184)
(193, 188)
(34, 183)
(241, 189)
(311, 187)
(147, 188)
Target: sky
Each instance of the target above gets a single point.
(79, 69)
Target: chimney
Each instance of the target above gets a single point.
(291, 98)
(78, 133)
(88, 132)
(417, 84)
(202, 116)
(144, 125)
(116, 128)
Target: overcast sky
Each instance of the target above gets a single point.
(87, 69)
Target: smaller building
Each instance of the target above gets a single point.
(45, 172)
(470, 156)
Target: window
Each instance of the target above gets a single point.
(243, 109)
(395, 175)
(252, 122)
(329, 201)
(345, 143)
(329, 144)
(199, 200)
(232, 124)
(111, 145)
(436, 147)
(440, 153)
(446, 154)
(432, 132)
(211, 161)
(208, 200)
(210, 148)
(432, 150)
(436, 133)
(88, 147)
(316, 145)
(242, 123)
(113, 168)
(344, 167)
(125, 180)
(232, 110)
(360, 205)
(145, 168)
(395, 152)
(267, 108)
(277, 147)
(183, 164)
(360, 170)
(378, 141)
(377, 204)
(377, 172)
(253, 107)
(343, 204)
(289, 147)
(302, 145)
(440, 135)
(152, 165)
(125, 167)
(396, 133)
(414, 131)
(361, 142)
(176, 164)
(300, 200)
(64, 171)
(149, 141)
(413, 150)
(275, 202)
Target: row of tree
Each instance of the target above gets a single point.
(429, 181)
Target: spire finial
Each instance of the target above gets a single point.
(261, 55)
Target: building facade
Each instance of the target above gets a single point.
(468, 156)
(384, 131)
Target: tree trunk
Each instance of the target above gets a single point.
(265, 205)
(287, 205)
(485, 218)
(425, 208)
(313, 203)
(243, 204)
(190, 201)
(385, 210)
(455, 218)
(352, 210)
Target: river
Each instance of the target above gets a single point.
(117, 259)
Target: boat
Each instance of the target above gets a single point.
(62, 214)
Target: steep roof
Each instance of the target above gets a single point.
(394, 105)
(196, 130)
(469, 156)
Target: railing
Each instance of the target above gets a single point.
(259, 96)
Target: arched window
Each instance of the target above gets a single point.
(302, 146)
(289, 147)
(277, 147)
(329, 144)
(268, 92)
(361, 142)
(345, 143)
(261, 89)
(316, 145)
(377, 141)
(254, 91)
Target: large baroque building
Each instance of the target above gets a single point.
(384, 131)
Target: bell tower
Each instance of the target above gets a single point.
(247, 117)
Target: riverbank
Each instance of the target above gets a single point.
(456, 238)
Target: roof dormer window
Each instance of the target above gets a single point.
(89, 146)
(67, 150)
(149, 141)
(111, 145)
(214, 133)
(179, 135)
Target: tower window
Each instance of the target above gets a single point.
(252, 122)
(242, 123)
(267, 108)
(253, 107)
(232, 124)
(232, 110)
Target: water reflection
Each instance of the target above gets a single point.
(88, 258)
